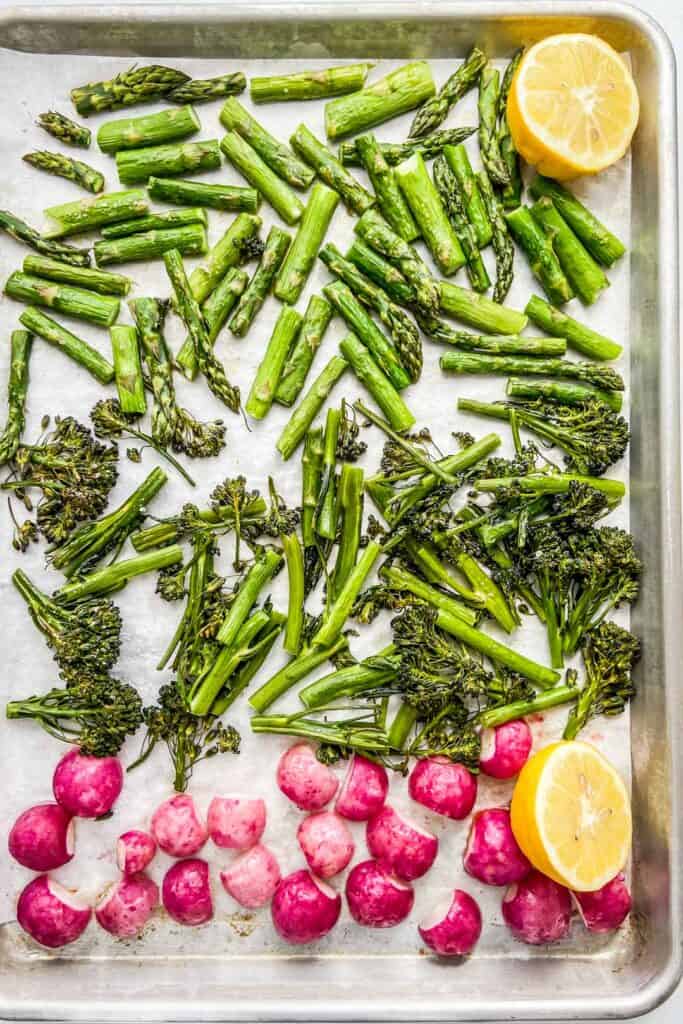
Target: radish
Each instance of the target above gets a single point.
(326, 843)
(252, 877)
(42, 837)
(177, 828)
(363, 790)
(236, 822)
(443, 786)
(135, 851)
(607, 908)
(401, 846)
(492, 854)
(85, 786)
(186, 892)
(51, 914)
(301, 777)
(304, 908)
(537, 910)
(128, 904)
(505, 749)
(453, 929)
(375, 898)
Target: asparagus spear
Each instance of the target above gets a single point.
(270, 368)
(544, 264)
(66, 167)
(17, 388)
(511, 193)
(583, 273)
(377, 383)
(316, 321)
(393, 206)
(299, 260)
(326, 509)
(293, 672)
(311, 475)
(377, 233)
(226, 253)
(294, 558)
(82, 277)
(149, 130)
(279, 157)
(567, 392)
(260, 573)
(277, 244)
(489, 147)
(459, 163)
(327, 167)
(500, 238)
(432, 113)
(382, 272)
(202, 90)
(600, 242)
(88, 214)
(391, 96)
(110, 579)
(77, 302)
(479, 311)
(335, 616)
(579, 337)
(128, 369)
(21, 232)
(309, 85)
(307, 409)
(425, 204)
(507, 344)
(220, 197)
(77, 349)
(479, 362)
(447, 187)
(356, 318)
(156, 221)
(274, 190)
(189, 240)
(396, 152)
(136, 85)
(64, 129)
(135, 165)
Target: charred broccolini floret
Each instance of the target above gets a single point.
(109, 420)
(609, 655)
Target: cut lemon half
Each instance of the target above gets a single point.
(570, 815)
(573, 106)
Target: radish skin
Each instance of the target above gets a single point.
(135, 850)
(607, 908)
(304, 908)
(42, 837)
(252, 877)
(375, 898)
(51, 914)
(453, 929)
(127, 906)
(326, 843)
(537, 910)
(505, 749)
(177, 828)
(304, 780)
(443, 787)
(363, 791)
(492, 854)
(401, 846)
(186, 892)
(236, 822)
(85, 786)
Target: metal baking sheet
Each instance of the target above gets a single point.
(236, 968)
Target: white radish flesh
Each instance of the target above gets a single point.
(135, 850)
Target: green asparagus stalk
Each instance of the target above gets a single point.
(316, 321)
(395, 94)
(425, 204)
(189, 240)
(583, 273)
(480, 312)
(432, 113)
(396, 152)
(542, 677)
(82, 277)
(552, 483)
(270, 368)
(157, 221)
(297, 426)
(508, 344)
(260, 573)
(294, 558)
(489, 147)
(327, 167)
(566, 392)
(274, 190)
(115, 576)
(399, 578)
(128, 369)
(600, 242)
(480, 362)
(327, 510)
(380, 387)
(335, 616)
(393, 206)
(500, 238)
(77, 349)
(21, 232)
(276, 155)
(350, 500)
(301, 256)
(277, 244)
(447, 187)
(579, 337)
(64, 129)
(207, 687)
(17, 388)
(136, 85)
(357, 319)
(379, 236)
(369, 674)
(226, 253)
(216, 309)
(382, 272)
(66, 167)
(202, 90)
(134, 165)
(88, 214)
(459, 163)
(311, 473)
(544, 264)
(149, 130)
(63, 298)
(292, 673)
(309, 85)
(511, 193)
(220, 197)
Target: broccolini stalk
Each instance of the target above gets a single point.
(369, 674)
(274, 190)
(391, 96)
(64, 129)
(601, 243)
(480, 362)
(350, 499)
(447, 186)
(327, 511)
(128, 369)
(479, 311)
(202, 90)
(511, 193)
(425, 557)
(149, 130)
(377, 383)
(136, 85)
(382, 272)
(113, 577)
(276, 155)
(399, 730)
(301, 419)
(396, 152)
(488, 105)
(209, 684)
(413, 450)
(545, 266)
(110, 421)
(377, 233)
(226, 253)
(82, 277)
(432, 113)
(459, 163)
(309, 85)
(400, 579)
(270, 368)
(503, 344)
(88, 214)
(189, 240)
(425, 205)
(552, 483)
(216, 309)
(356, 318)
(490, 718)
(77, 302)
(293, 672)
(17, 388)
(579, 337)
(300, 258)
(566, 392)
(21, 232)
(362, 737)
(138, 165)
(316, 321)
(244, 675)
(583, 273)
(277, 244)
(66, 167)
(393, 206)
(77, 349)
(156, 221)
(328, 169)
(336, 614)
(262, 570)
(220, 197)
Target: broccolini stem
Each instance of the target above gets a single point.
(413, 450)
(395, 94)
(244, 675)
(208, 685)
(335, 616)
(259, 574)
(560, 694)
(426, 558)
(368, 674)
(274, 190)
(399, 578)
(276, 155)
(553, 483)
(311, 472)
(17, 388)
(327, 510)
(113, 577)
(370, 740)
(400, 728)
(292, 673)
(350, 500)
(294, 557)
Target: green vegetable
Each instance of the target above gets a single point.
(110, 421)
(388, 97)
(480, 312)
(261, 572)
(309, 85)
(448, 190)
(583, 273)
(251, 301)
(379, 385)
(476, 362)
(220, 197)
(66, 167)
(293, 672)
(432, 113)
(149, 130)
(315, 322)
(544, 264)
(396, 152)
(425, 204)
(189, 240)
(106, 581)
(350, 500)
(77, 349)
(327, 510)
(511, 193)
(301, 419)
(489, 142)
(567, 392)
(356, 318)
(134, 165)
(382, 272)
(500, 238)
(609, 656)
(390, 199)
(579, 337)
(226, 253)
(300, 258)
(216, 309)
(82, 277)
(275, 154)
(380, 237)
(468, 184)
(128, 369)
(369, 674)
(17, 389)
(64, 129)
(274, 190)
(328, 169)
(203, 90)
(503, 344)
(21, 232)
(601, 243)
(88, 214)
(270, 368)
(136, 85)
(77, 302)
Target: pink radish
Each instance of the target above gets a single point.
(135, 851)
(537, 910)
(127, 906)
(252, 877)
(301, 777)
(375, 898)
(443, 786)
(363, 790)
(607, 908)
(326, 843)
(492, 854)
(85, 786)
(177, 828)
(42, 837)
(186, 892)
(51, 914)
(453, 929)
(236, 822)
(401, 846)
(304, 908)
(505, 749)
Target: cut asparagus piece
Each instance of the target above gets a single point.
(202, 90)
(279, 157)
(566, 392)
(302, 253)
(215, 309)
(294, 558)
(136, 85)
(489, 147)
(189, 240)
(393, 206)
(579, 337)
(311, 475)
(260, 573)
(378, 384)
(156, 221)
(293, 672)
(480, 312)
(274, 190)
(218, 197)
(365, 329)
(309, 85)
(391, 96)
(17, 388)
(270, 368)
(77, 349)
(277, 244)
(113, 577)
(544, 264)
(226, 253)
(382, 272)
(327, 167)
(326, 508)
(21, 232)
(64, 129)
(508, 344)
(128, 369)
(500, 238)
(459, 163)
(396, 152)
(511, 193)
(82, 277)
(135, 165)
(309, 406)
(480, 362)
(583, 273)
(447, 187)
(149, 130)
(316, 321)
(66, 167)
(335, 616)
(377, 233)
(432, 113)
(425, 204)
(88, 214)
(600, 242)
(77, 302)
